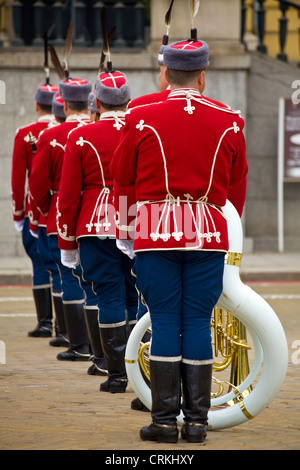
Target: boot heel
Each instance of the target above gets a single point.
(114, 386)
(159, 433)
(119, 386)
(193, 432)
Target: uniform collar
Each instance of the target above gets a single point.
(46, 118)
(185, 93)
(117, 116)
(191, 95)
(112, 114)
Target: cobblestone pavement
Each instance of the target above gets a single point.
(49, 405)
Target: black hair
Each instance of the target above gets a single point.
(112, 107)
(182, 77)
(45, 108)
(60, 119)
(78, 105)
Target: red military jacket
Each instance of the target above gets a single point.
(46, 170)
(85, 201)
(124, 216)
(185, 156)
(36, 218)
(22, 164)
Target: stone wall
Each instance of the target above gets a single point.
(249, 82)
(268, 80)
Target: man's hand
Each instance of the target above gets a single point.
(19, 224)
(70, 258)
(127, 247)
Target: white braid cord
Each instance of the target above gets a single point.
(170, 200)
(105, 192)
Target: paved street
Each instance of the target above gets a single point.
(49, 405)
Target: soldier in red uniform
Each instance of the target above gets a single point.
(94, 111)
(38, 229)
(44, 186)
(23, 154)
(164, 87)
(86, 222)
(185, 157)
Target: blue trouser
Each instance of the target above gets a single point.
(40, 275)
(73, 286)
(47, 259)
(109, 271)
(181, 289)
(142, 307)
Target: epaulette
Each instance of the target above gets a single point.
(24, 127)
(142, 106)
(219, 106)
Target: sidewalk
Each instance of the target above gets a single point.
(48, 404)
(270, 267)
(260, 266)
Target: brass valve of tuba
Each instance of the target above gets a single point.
(230, 342)
(229, 335)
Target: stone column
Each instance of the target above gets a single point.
(218, 23)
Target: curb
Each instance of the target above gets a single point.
(24, 279)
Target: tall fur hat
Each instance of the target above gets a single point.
(75, 89)
(112, 88)
(186, 55)
(45, 93)
(58, 106)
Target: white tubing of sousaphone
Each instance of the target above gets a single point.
(134, 375)
(258, 317)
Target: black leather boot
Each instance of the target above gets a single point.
(61, 339)
(196, 390)
(130, 325)
(79, 349)
(43, 304)
(99, 366)
(137, 404)
(113, 340)
(165, 382)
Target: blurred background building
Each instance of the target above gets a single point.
(254, 61)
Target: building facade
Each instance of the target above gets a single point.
(242, 73)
